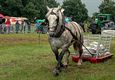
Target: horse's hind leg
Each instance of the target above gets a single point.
(80, 55)
(66, 58)
(78, 46)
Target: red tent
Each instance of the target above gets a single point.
(13, 19)
(7, 17)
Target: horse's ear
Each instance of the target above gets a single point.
(59, 7)
(62, 10)
(48, 8)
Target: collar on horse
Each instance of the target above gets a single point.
(59, 32)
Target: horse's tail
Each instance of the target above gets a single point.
(80, 32)
(76, 31)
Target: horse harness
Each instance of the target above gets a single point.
(58, 32)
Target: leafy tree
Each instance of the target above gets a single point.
(30, 11)
(107, 6)
(43, 10)
(40, 7)
(3, 6)
(12, 7)
(52, 3)
(26, 8)
(76, 9)
(94, 15)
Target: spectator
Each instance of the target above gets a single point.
(22, 26)
(66, 20)
(39, 26)
(28, 25)
(8, 24)
(0, 28)
(17, 26)
(3, 27)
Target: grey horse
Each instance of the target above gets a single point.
(62, 36)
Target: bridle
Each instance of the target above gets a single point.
(57, 20)
(59, 29)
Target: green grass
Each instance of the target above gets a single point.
(23, 58)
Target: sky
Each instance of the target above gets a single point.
(91, 5)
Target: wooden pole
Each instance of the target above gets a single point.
(39, 38)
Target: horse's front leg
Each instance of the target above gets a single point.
(78, 48)
(55, 51)
(56, 70)
(59, 64)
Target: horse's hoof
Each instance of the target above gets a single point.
(56, 72)
(64, 67)
(79, 64)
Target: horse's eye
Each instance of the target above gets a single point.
(57, 19)
(46, 20)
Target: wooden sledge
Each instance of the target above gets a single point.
(92, 59)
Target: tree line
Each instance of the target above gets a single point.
(37, 8)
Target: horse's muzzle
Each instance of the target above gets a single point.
(51, 29)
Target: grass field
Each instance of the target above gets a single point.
(22, 57)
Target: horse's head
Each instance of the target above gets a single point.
(54, 19)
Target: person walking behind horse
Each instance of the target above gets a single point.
(81, 24)
(8, 25)
(66, 20)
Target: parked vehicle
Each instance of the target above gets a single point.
(103, 21)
